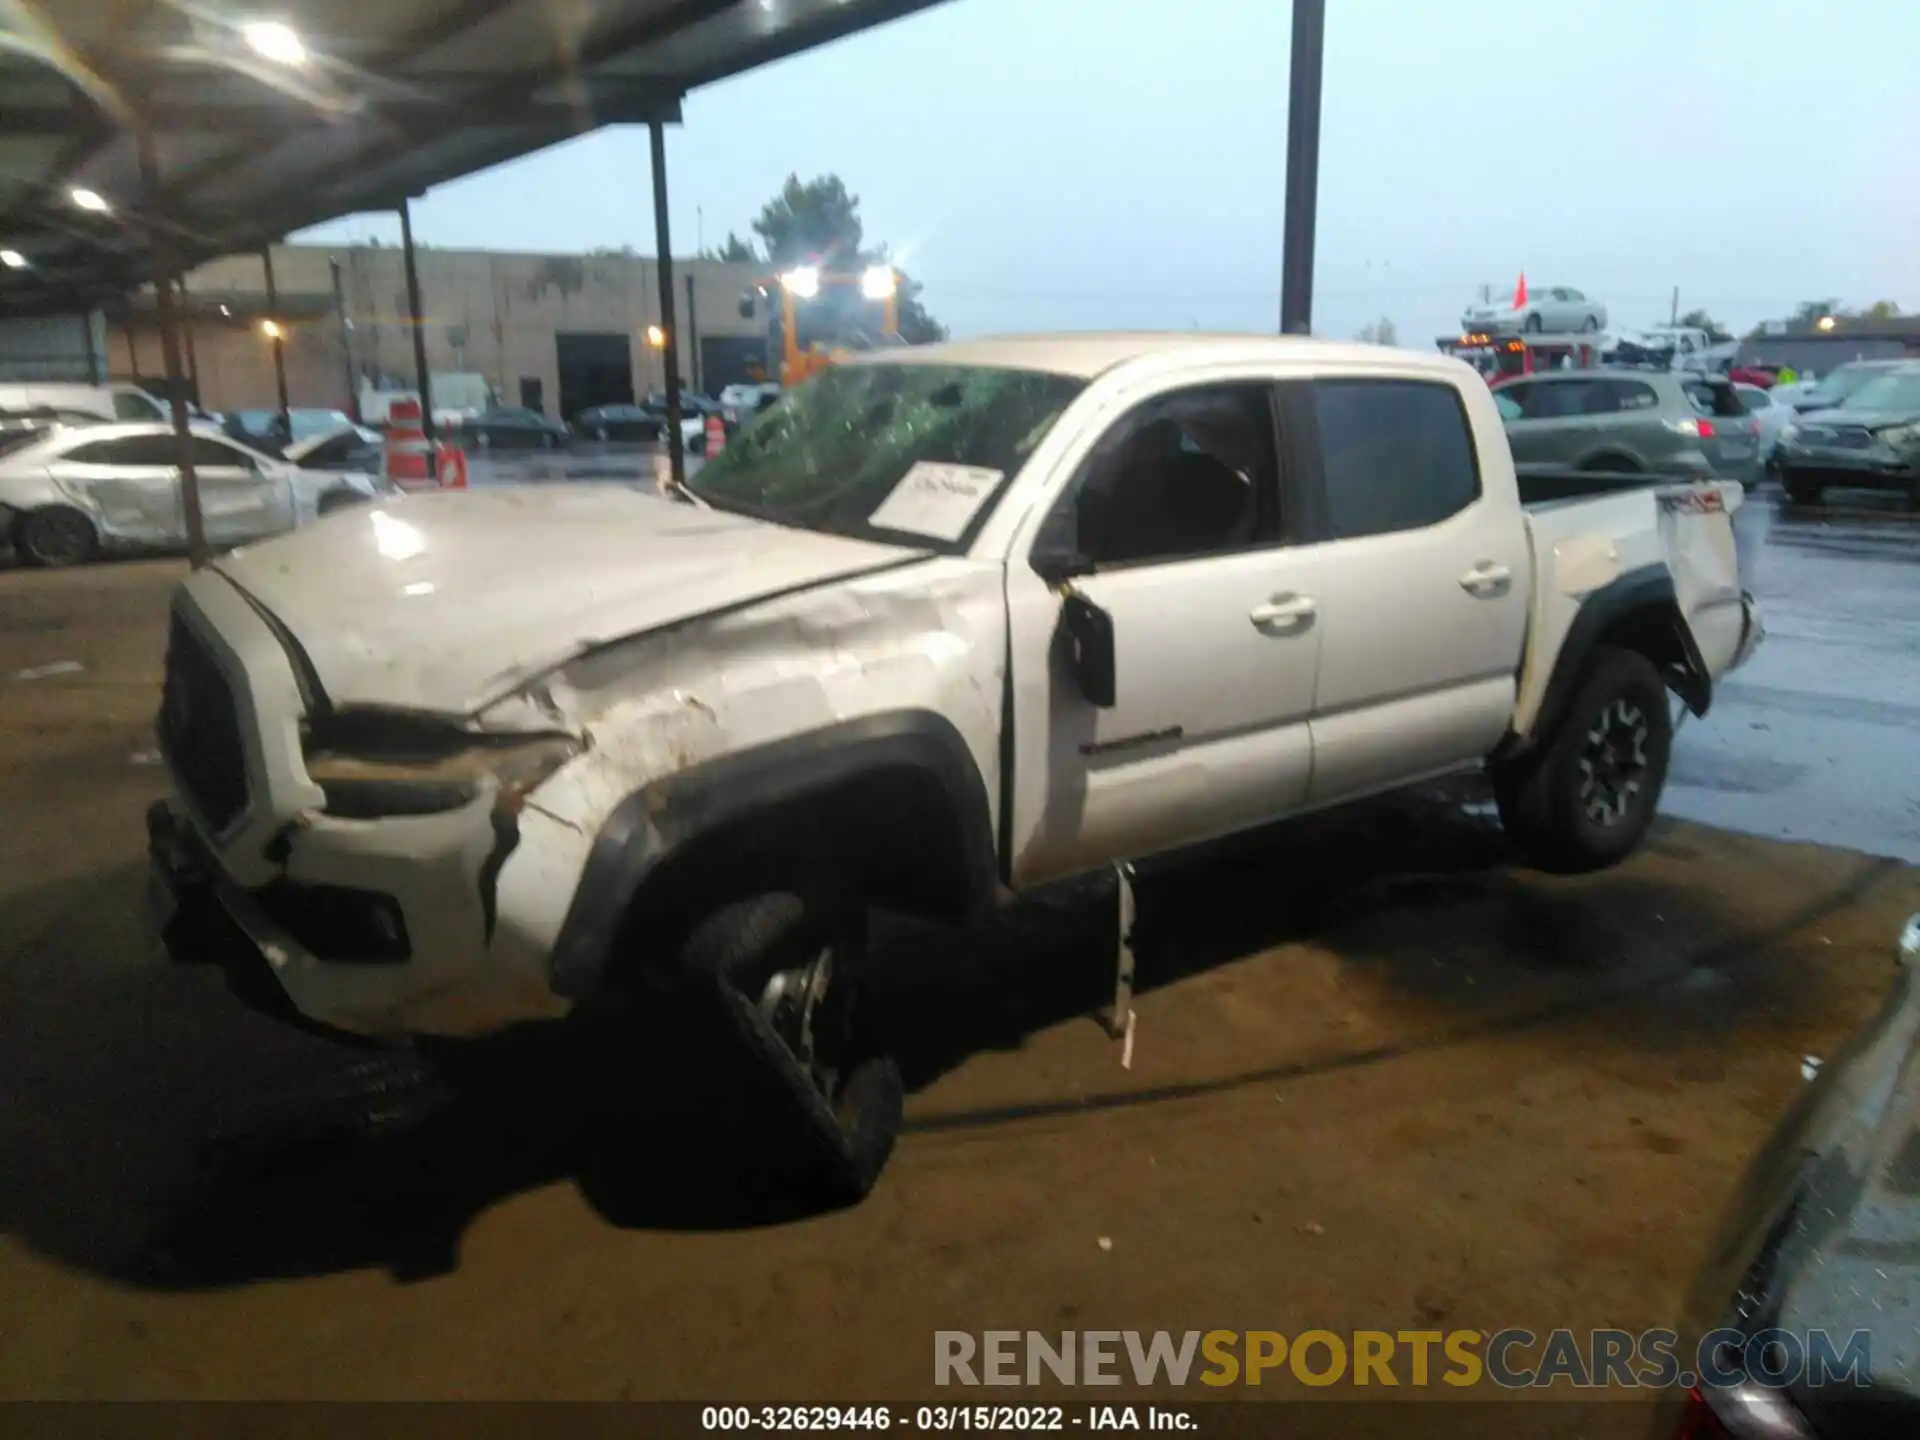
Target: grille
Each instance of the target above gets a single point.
(200, 728)
(1838, 437)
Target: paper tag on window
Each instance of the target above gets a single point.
(936, 500)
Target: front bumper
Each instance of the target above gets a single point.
(1868, 469)
(434, 924)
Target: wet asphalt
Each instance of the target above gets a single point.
(1817, 738)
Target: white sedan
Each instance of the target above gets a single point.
(1770, 411)
(1556, 309)
(75, 493)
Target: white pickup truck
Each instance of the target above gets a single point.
(949, 623)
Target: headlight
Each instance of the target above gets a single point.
(375, 766)
(1790, 435)
(1901, 437)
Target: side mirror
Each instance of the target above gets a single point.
(1089, 636)
(1058, 563)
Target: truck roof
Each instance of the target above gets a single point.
(1089, 354)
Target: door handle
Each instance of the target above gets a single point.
(1485, 578)
(1283, 609)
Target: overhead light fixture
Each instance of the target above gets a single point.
(275, 40)
(1827, 322)
(803, 283)
(13, 259)
(879, 282)
(89, 199)
(656, 337)
(271, 329)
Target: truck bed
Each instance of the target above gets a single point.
(1542, 485)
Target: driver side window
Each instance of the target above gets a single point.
(1186, 474)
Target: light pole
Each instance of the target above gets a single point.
(1303, 165)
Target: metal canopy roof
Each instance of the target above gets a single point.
(394, 96)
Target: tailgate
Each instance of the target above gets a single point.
(1697, 533)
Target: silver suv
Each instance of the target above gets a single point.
(1631, 420)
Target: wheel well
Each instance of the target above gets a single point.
(1658, 632)
(1613, 460)
(338, 497)
(890, 836)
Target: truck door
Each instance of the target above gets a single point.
(1424, 577)
(1180, 511)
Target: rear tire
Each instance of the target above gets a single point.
(1585, 800)
(1533, 324)
(55, 537)
(1591, 323)
(779, 975)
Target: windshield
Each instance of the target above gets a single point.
(1840, 384)
(888, 451)
(1899, 390)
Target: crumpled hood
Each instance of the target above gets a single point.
(447, 602)
(1875, 420)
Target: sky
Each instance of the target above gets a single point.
(1108, 164)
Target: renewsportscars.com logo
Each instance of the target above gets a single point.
(1511, 1359)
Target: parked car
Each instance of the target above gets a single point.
(117, 401)
(266, 430)
(740, 403)
(1553, 307)
(1837, 384)
(353, 447)
(1791, 393)
(1869, 441)
(511, 428)
(1772, 416)
(1668, 347)
(23, 427)
(1630, 420)
(76, 493)
(1763, 377)
(935, 630)
(1819, 1241)
(690, 403)
(619, 422)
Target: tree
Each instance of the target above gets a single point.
(1380, 332)
(1701, 320)
(817, 222)
(1809, 311)
(1882, 310)
(733, 251)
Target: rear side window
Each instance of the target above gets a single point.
(1624, 395)
(133, 407)
(133, 450)
(1550, 399)
(212, 452)
(1397, 455)
(1711, 399)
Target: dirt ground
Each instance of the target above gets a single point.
(1384, 1078)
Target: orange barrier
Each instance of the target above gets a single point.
(716, 435)
(453, 468)
(408, 458)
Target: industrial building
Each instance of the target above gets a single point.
(556, 333)
(1816, 348)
